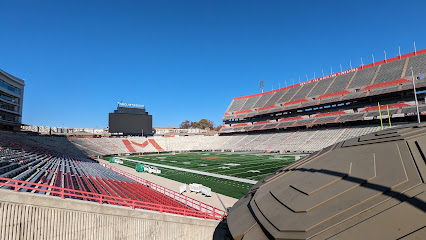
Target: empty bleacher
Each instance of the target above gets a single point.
(28, 167)
(288, 94)
(262, 100)
(390, 71)
(340, 82)
(363, 77)
(417, 63)
(250, 103)
(320, 87)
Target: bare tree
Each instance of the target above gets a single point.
(185, 124)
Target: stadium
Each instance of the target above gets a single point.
(261, 134)
(340, 156)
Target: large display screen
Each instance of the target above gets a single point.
(130, 124)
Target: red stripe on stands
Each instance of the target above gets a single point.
(379, 85)
(289, 119)
(240, 125)
(264, 122)
(245, 111)
(155, 144)
(329, 114)
(144, 144)
(333, 94)
(128, 145)
(294, 102)
(383, 107)
(268, 107)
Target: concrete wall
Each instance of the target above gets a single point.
(34, 216)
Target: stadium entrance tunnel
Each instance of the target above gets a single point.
(369, 187)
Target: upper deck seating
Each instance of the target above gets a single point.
(274, 99)
(340, 83)
(250, 103)
(262, 100)
(320, 87)
(363, 77)
(303, 91)
(237, 104)
(390, 71)
(288, 95)
(418, 64)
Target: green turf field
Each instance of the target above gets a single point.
(241, 165)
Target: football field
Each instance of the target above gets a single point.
(251, 166)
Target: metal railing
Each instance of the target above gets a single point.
(205, 213)
(187, 201)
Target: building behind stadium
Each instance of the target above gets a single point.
(11, 101)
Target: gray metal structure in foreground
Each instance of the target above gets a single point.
(369, 187)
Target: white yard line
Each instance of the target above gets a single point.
(195, 171)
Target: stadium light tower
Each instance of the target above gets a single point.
(415, 95)
(261, 85)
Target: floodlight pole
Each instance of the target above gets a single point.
(415, 95)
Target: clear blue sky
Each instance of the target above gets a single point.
(186, 59)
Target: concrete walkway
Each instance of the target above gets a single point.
(195, 171)
(216, 200)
